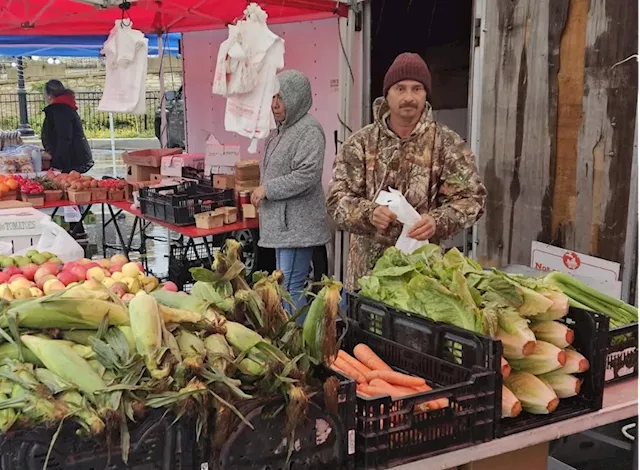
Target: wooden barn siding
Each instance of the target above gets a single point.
(557, 126)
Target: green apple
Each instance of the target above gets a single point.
(47, 254)
(38, 259)
(30, 253)
(21, 261)
(56, 260)
(6, 261)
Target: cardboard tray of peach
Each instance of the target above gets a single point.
(52, 187)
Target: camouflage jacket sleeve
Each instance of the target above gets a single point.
(461, 196)
(347, 202)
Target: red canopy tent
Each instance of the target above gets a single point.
(76, 17)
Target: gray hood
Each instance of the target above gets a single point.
(295, 91)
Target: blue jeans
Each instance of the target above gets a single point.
(295, 264)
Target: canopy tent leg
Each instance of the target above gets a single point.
(163, 110)
(112, 135)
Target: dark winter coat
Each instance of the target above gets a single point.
(63, 137)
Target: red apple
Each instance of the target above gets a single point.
(84, 261)
(11, 270)
(16, 276)
(67, 277)
(140, 266)
(53, 267)
(42, 279)
(116, 268)
(4, 278)
(79, 271)
(91, 264)
(170, 286)
(29, 270)
(69, 266)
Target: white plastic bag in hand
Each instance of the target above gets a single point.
(405, 214)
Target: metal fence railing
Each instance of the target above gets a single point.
(96, 123)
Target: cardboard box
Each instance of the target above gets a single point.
(137, 173)
(20, 227)
(217, 154)
(148, 157)
(248, 170)
(246, 185)
(220, 170)
(224, 181)
(173, 165)
(249, 211)
(156, 177)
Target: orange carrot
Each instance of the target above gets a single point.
(393, 390)
(505, 368)
(395, 378)
(372, 391)
(370, 359)
(360, 390)
(423, 388)
(350, 371)
(433, 404)
(353, 361)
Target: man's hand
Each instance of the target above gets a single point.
(382, 217)
(257, 195)
(424, 229)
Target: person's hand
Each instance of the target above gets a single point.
(382, 217)
(424, 229)
(44, 153)
(257, 195)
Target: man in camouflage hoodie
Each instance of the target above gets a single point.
(403, 149)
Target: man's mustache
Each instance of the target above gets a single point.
(409, 105)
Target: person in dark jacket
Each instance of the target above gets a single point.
(62, 134)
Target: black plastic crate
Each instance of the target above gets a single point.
(622, 354)
(447, 341)
(324, 440)
(184, 257)
(179, 204)
(591, 340)
(390, 432)
(441, 340)
(157, 443)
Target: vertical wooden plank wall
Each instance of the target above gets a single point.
(557, 126)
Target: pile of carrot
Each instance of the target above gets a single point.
(375, 378)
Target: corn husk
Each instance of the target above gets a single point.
(55, 311)
(147, 326)
(319, 329)
(62, 360)
(219, 353)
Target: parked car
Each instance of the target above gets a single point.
(174, 106)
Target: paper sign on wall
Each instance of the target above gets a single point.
(595, 272)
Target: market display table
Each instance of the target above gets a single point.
(188, 235)
(529, 450)
(86, 208)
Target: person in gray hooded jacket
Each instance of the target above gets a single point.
(291, 199)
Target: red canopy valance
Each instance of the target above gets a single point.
(74, 17)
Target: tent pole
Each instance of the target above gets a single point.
(163, 110)
(112, 134)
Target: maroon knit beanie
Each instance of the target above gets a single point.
(408, 66)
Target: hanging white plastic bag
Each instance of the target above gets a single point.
(405, 214)
(56, 240)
